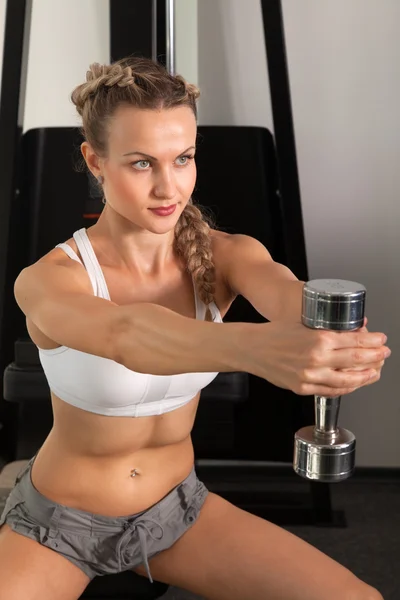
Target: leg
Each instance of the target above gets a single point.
(34, 572)
(229, 554)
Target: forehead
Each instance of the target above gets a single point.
(151, 131)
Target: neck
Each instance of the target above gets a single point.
(125, 245)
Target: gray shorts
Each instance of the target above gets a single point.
(97, 544)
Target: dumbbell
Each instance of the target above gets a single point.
(324, 452)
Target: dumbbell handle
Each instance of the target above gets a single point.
(326, 414)
(336, 305)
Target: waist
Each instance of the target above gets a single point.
(40, 506)
(111, 486)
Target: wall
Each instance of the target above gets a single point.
(186, 39)
(343, 60)
(65, 38)
(232, 64)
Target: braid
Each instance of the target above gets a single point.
(146, 84)
(193, 244)
(100, 76)
(191, 92)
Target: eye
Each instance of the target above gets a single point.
(141, 164)
(183, 160)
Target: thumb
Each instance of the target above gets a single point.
(364, 327)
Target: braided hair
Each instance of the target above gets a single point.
(143, 83)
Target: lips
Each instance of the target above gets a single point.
(163, 207)
(164, 211)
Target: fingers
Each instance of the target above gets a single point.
(356, 339)
(364, 329)
(358, 357)
(377, 366)
(333, 383)
(339, 383)
(320, 390)
(343, 362)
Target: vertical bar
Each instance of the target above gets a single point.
(284, 137)
(289, 188)
(131, 23)
(138, 28)
(12, 105)
(170, 33)
(154, 31)
(161, 29)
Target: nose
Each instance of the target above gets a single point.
(165, 185)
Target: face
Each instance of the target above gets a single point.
(150, 164)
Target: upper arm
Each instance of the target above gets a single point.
(58, 300)
(250, 271)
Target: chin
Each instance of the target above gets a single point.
(162, 227)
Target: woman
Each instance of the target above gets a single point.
(144, 291)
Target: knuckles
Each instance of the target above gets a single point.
(357, 357)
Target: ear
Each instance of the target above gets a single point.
(92, 160)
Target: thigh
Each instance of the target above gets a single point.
(229, 554)
(34, 572)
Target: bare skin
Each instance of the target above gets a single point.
(87, 460)
(98, 447)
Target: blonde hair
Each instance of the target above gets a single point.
(145, 84)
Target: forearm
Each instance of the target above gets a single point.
(153, 339)
(290, 301)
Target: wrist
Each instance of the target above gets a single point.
(245, 343)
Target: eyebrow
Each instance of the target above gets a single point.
(152, 157)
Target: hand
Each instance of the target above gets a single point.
(310, 361)
(378, 366)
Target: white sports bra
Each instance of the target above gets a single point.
(101, 385)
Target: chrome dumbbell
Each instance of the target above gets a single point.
(325, 452)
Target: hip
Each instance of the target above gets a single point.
(99, 544)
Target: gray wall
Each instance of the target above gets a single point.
(65, 38)
(232, 64)
(344, 61)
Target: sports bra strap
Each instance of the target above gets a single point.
(92, 266)
(91, 263)
(72, 254)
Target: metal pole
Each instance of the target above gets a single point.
(170, 6)
(154, 31)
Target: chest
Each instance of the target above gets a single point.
(174, 291)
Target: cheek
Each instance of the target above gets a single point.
(190, 179)
(125, 184)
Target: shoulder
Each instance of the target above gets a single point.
(58, 255)
(235, 255)
(227, 246)
(54, 262)
(221, 243)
